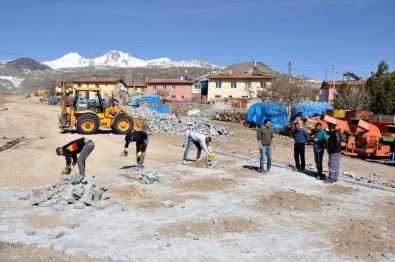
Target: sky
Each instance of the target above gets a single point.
(313, 35)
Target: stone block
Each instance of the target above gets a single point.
(38, 200)
(167, 203)
(55, 234)
(48, 203)
(68, 199)
(162, 179)
(175, 177)
(30, 232)
(57, 208)
(96, 194)
(73, 225)
(99, 206)
(24, 197)
(79, 206)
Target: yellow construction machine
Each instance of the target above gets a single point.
(89, 112)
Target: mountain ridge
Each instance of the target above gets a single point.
(116, 58)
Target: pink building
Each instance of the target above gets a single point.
(328, 88)
(178, 89)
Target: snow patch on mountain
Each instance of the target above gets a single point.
(116, 58)
(15, 81)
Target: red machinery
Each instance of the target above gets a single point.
(367, 140)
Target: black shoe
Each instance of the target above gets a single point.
(316, 176)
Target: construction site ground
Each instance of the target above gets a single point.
(231, 213)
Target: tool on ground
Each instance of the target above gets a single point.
(125, 152)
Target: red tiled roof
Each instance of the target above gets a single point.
(239, 76)
(98, 80)
(170, 81)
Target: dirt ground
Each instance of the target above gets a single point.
(29, 135)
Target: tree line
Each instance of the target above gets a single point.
(377, 95)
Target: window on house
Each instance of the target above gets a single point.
(218, 84)
(230, 96)
(182, 97)
(79, 85)
(97, 85)
(164, 87)
(248, 85)
(263, 84)
(154, 87)
(217, 96)
(233, 84)
(87, 85)
(173, 87)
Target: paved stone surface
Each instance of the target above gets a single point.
(129, 232)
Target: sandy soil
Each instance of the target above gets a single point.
(29, 135)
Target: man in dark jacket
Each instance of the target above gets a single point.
(334, 151)
(82, 146)
(300, 135)
(141, 139)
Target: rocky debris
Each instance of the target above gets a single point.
(63, 193)
(150, 178)
(228, 115)
(371, 180)
(170, 123)
(214, 163)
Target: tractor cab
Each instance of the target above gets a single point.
(88, 100)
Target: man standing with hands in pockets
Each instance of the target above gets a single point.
(265, 141)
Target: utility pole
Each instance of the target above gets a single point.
(289, 70)
(334, 74)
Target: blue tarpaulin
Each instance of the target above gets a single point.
(309, 109)
(274, 111)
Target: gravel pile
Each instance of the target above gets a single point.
(172, 124)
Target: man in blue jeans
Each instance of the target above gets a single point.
(265, 141)
(200, 142)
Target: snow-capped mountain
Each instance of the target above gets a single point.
(119, 59)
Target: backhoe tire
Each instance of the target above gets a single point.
(87, 124)
(122, 124)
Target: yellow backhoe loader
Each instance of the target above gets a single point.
(89, 112)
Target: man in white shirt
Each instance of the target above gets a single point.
(200, 142)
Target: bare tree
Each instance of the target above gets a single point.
(351, 98)
(289, 91)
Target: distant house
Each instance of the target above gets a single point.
(109, 86)
(178, 89)
(137, 88)
(235, 85)
(69, 89)
(329, 87)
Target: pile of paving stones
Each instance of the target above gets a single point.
(227, 115)
(170, 123)
(63, 193)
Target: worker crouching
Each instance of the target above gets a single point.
(81, 146)
(141, 139)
